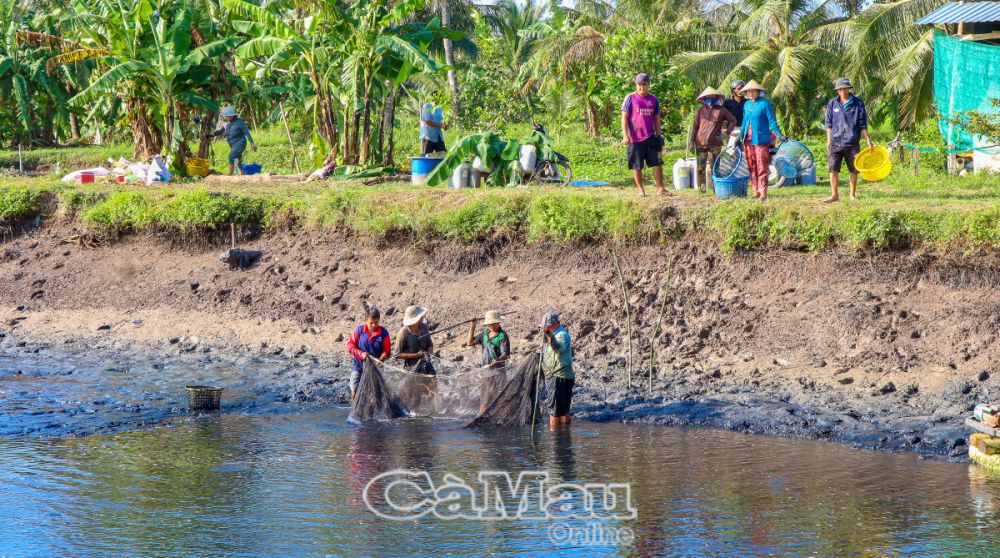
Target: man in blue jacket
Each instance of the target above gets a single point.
(846, 122)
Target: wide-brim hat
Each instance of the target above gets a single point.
(752, 85)
(492, 317)
(413, 314)
(710, 92)
(228, 111)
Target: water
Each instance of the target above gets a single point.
(284, 479)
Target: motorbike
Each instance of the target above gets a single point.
(554, 169)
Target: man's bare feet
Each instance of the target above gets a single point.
(763, 198)
(642, 193)
(831, 199)
(662, 192)
(854, 197)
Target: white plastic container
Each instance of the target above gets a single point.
(461, 177)
(529, 158)
(478, 165)
(683, 169)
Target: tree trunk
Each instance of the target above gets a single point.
(366, 130)
(449, 59)
(207, 127)
(145, 137)
(388, 125)
(592, 128)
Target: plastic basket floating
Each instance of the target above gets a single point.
(731, 164)
(204, 398)
(792, 158)
(873, 163)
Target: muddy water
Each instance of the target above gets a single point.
(272, 477)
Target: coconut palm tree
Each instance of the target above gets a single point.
(784, 44)
(892, 59)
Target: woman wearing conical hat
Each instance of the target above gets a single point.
(707, 134)
(759, 129)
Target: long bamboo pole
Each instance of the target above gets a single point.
(665, 289)
(628, 312)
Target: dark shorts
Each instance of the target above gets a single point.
(428, 146)
(558, 395)
(840, 154)
(646, 153)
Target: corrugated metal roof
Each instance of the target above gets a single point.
(968, 12)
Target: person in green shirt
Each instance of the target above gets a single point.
(495, 344)
(557, 366)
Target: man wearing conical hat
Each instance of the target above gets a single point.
(707, 134)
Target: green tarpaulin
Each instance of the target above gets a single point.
(966, 77)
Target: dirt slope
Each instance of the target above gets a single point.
(887, 351)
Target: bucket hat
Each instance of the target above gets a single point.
(842, 83)
(492, 317)
(228, 111)
(751, 85)
(413, 314)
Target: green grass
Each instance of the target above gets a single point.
(930, 210)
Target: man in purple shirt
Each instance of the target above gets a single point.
(641, 133)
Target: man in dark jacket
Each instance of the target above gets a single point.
(846, 122)
(734, 104)
(707, 134)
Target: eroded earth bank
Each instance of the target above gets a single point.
(885, 352)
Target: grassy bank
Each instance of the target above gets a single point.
(930, 210)
(966, 219)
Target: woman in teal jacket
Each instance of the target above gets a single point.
(758, 126)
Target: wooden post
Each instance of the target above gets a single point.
(952, 160)
(295, 159)
(20, 158)
(916, 160)
(232, 235)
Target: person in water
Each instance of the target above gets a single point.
(367, 340)
(414, 345)
(495, 344)
(494, 340)
(557, 366)
(237, 135)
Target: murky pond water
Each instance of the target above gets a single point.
(285, 479)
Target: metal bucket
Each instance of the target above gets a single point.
(204, 398)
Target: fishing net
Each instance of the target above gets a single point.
(731, 164)
(386, 392)
(792, 158)
(516, 404)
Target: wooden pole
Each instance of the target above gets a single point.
(20, 158)
(628, 312)
(232, 235)
(659, 319)
(288, 131)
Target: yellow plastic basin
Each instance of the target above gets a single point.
(873, 163)
(196, 166)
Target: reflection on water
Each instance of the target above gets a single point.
(288, 485)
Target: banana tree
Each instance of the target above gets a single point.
(146, 54)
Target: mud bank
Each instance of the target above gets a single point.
(888, 352)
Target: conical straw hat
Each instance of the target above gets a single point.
(710, 92)
(752, 84)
